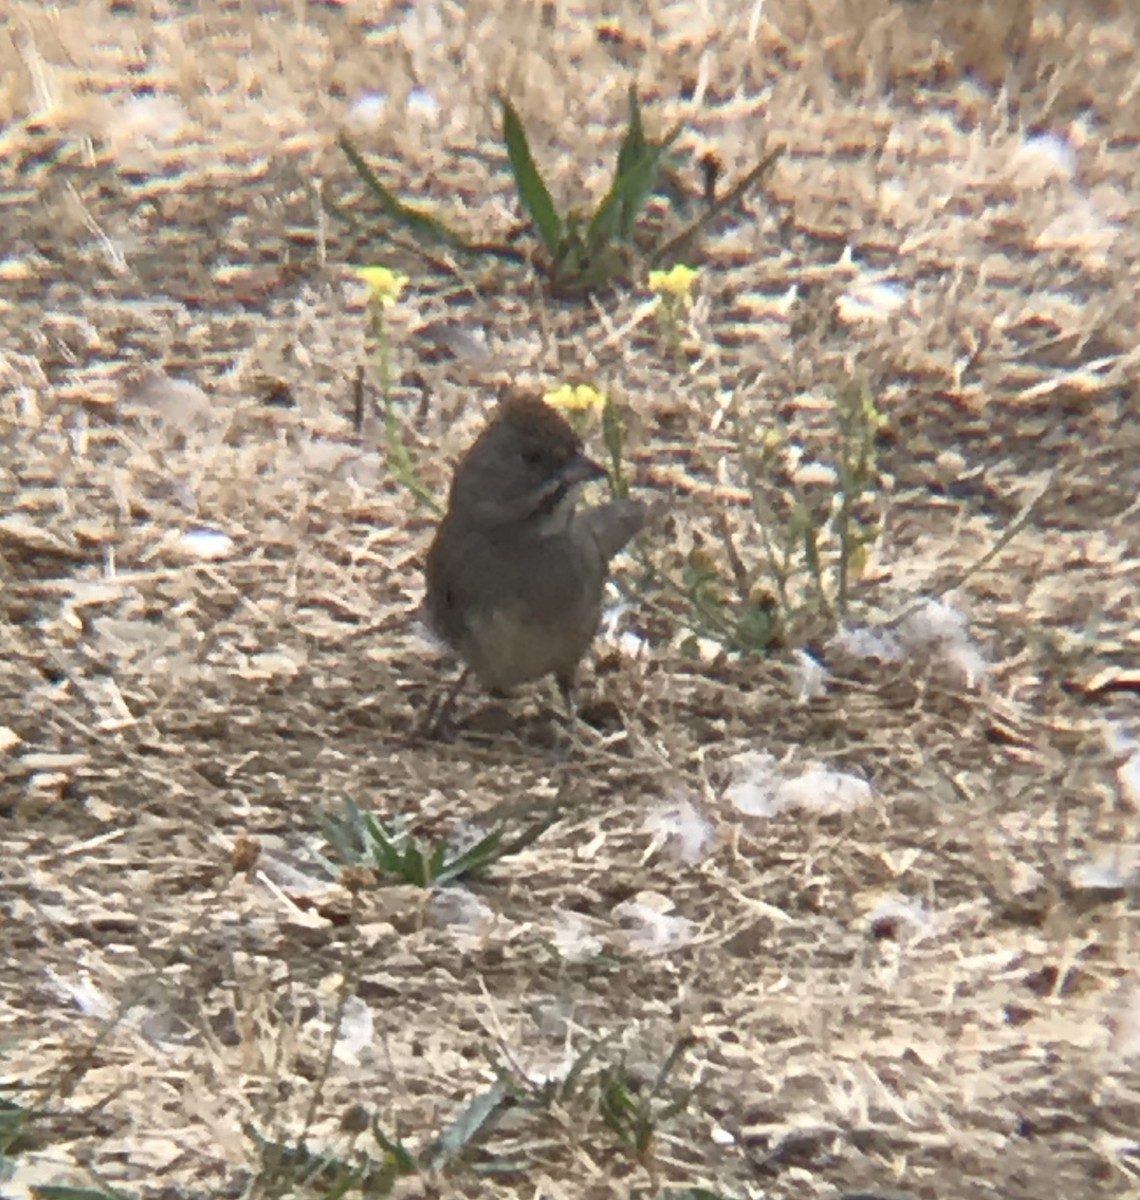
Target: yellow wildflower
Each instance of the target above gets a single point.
(384, 284)
(676, 282)
(576, 399)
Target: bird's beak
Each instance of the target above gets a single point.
(581, 469)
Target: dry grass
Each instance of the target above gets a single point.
(160, 710)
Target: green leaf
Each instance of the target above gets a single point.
(422, 226)
(533, 192)
(613, 438)
(346, 835)
(414, 868)
(578, 1067)
(480, 1111)
(50, 1191)
(631, 151)
(633, 145)
(399, 1155)
(619, 1109)
(618, 212)
(436, 863)
(471, 861)
(385, 853)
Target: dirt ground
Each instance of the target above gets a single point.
(931, 989)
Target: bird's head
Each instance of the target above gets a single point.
(527, 463)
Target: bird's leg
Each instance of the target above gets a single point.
(580, 732)
(566, 691)
(437, 719)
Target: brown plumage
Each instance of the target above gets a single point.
(516, 571)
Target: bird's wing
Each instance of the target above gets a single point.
(612, 525)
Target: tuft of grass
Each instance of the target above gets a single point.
(635, 1115)
(582, 254)
(575, 253)
(594, 1086)
(291, 1168)
(361, 839)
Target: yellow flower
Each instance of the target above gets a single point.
(677, 281)
(384, 284)
(579, 399)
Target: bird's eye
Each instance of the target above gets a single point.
(532, 458)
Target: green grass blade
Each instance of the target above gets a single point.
(346, 835)
(401, 1157)
(423, 227)
(471, 861)
(533, 192)
(415, 868)
(530, 834)
(477, 1115)
(613, 438)
(385, 852)
(680, 1047)
(435, 864)
(633, 145)
(50, 1191)
(632, 149)
(618, 212)
(578, 1068)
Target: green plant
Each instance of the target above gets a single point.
(632, 1113)
(674, 297)
(384, 287)
(292, 1168)
(580, 254)
(558, 1089)
(576, 253)
(635, 1114)
(812, 547)
(819, 549)
(361, 839)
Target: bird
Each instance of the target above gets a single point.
(515, 572)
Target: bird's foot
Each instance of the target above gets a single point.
(438, 722)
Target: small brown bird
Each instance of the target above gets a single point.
(516, 571)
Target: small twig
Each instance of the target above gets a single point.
(358, 401)
(1015, 527)
(739, 571)
(726, 201)
(346, 991)
(714, 625)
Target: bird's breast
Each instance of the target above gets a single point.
(516, 604)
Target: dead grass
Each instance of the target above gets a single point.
(160, 708)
